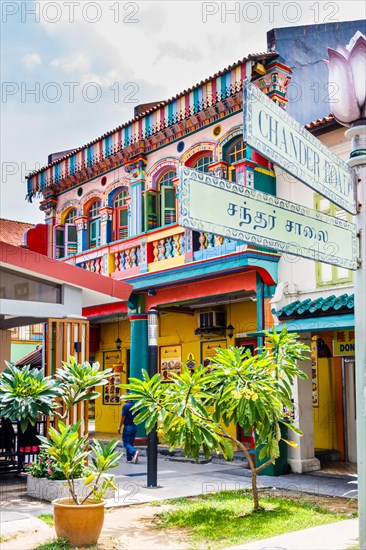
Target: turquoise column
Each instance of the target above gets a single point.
(260, 307)
(138, 355)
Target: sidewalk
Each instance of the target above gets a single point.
(334, 536)
(177, 478)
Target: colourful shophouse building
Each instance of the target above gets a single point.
(317, 300)
(111, 208)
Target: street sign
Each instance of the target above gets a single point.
(219, 206)
(277, 136)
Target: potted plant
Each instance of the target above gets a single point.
(79, 518)
(24, 393)
(46, 480)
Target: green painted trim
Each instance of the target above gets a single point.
(203, 271)
(138, 356)
(260, 306)
(269, 291)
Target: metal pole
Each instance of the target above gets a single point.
(357, 134)
(152, 438)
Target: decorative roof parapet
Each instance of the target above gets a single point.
(312, 308)
(206, 94)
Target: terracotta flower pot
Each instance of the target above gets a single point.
(80, 525)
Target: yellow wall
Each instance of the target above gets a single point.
(107, 416)
(325, 432)
(174, 330)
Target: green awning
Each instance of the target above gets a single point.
(316, 324)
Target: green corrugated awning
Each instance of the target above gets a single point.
(316, 324)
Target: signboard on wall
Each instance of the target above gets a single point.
(344, 343)
(209, 351)
(170, 361)
(111, 391)
(212, 204)
(280, 138)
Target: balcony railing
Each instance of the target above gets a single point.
(128, 258)
(159, 249)
(168, 247)
(95, 265)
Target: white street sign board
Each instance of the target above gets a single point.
(219, 206)
(277, 136)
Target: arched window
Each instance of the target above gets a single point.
(70, 233)
(167, 198)
(65, 236)
(120, 216)
(235, 153)
(71, 215)
(203, 163)
(94, 225)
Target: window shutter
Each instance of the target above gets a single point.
(71, 239)
(58, 242)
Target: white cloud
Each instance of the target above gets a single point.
(72, 63)
(31, 60)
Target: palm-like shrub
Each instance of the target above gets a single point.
(25, 393)
(68, 451)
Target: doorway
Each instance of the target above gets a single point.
(349, 409)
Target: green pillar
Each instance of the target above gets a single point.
(260, 307)
(138, 354)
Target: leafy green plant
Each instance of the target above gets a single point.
(25, 393)
(68, 451)
(195, 410)
(57, 544)
(47, 467)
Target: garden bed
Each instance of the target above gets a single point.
(42, 488)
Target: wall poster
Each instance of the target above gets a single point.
(111, 393)
(170, 361)
(314, 372)
(208, 351)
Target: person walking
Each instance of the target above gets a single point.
(129, 431)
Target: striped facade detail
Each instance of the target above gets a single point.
(181, 108)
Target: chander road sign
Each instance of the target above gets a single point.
(280, 138)
(216, 205)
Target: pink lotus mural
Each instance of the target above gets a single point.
(347, 71)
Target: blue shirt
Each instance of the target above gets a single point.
(128, 414)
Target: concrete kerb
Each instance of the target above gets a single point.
(185, 479)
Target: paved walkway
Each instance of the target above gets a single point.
(334, 536)
(178, 478)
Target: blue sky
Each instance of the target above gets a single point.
(90, 63)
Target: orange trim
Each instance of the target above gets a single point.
(201, 289)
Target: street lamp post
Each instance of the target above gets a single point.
(347, 69)
(357, 134)
(152, 438)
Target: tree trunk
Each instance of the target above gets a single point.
(255, 491)
(252, 469)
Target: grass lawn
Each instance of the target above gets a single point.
(47, 518)
(56, 544)
(223, 519)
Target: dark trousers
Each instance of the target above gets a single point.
(128, 439)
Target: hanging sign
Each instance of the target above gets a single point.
(280, 138)
(219, 206)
